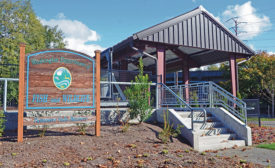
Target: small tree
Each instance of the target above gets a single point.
(139, 95)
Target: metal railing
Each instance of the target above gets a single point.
(168, 98)
(114, 82)
(209, 94)
(12, 102)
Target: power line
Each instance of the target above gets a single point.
(257, 32)
(263, 39)
(260, 21)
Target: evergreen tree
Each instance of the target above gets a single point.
(138, 96)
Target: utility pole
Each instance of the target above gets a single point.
(237, 32)
(236, 24)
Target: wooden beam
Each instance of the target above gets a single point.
(182, 55)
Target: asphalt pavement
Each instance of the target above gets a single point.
(261, 156)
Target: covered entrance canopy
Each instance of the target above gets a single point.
(190, 40)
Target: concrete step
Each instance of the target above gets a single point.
(195, 114)
(207, 125)
(221, 145)
(208, 119)
(213, 131)
(212, 139)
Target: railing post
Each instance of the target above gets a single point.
(245, 114)
(157, 96)
(192, 119)
(211, 103)
(5, 95)
(181, 95)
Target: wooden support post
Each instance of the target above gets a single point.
(185, 77)
(161, 69)
(21, 93)
(97, 124)
(233, 75)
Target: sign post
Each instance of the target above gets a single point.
(97, 126)
(58, 80)
(21, 93)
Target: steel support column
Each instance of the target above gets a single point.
(176, 78)
(123, 75)
(233, 74)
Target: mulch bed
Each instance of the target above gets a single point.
(138, 147)
(262, 134)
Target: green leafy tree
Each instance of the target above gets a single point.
(139, 95)
(256, 78)
(19, 24)
(54, 37)
(213, 67)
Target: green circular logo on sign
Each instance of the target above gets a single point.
(62, 78)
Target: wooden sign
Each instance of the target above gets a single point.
(58, 80)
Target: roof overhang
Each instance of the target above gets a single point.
(196, 34)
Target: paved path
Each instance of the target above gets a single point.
(251, 154)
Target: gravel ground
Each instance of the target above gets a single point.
(138, 147)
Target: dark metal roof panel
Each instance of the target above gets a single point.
(197, 28)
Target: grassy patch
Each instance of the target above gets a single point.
(262, 119)
(267, 146)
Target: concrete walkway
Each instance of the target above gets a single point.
(251, 154)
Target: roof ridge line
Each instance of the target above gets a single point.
(199, 8)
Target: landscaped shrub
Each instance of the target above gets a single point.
(2, 122)
(194, 97)
(168, 132)
(138, 96)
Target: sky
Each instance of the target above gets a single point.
(99, 24)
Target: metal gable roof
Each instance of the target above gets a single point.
(197, 28)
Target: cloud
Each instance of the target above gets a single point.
(253, 23)
(78, 36)
(271, 53)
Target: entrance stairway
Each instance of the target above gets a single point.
(211, 126)
(212, 134)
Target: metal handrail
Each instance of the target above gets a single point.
(186, 104)
(214, 88)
